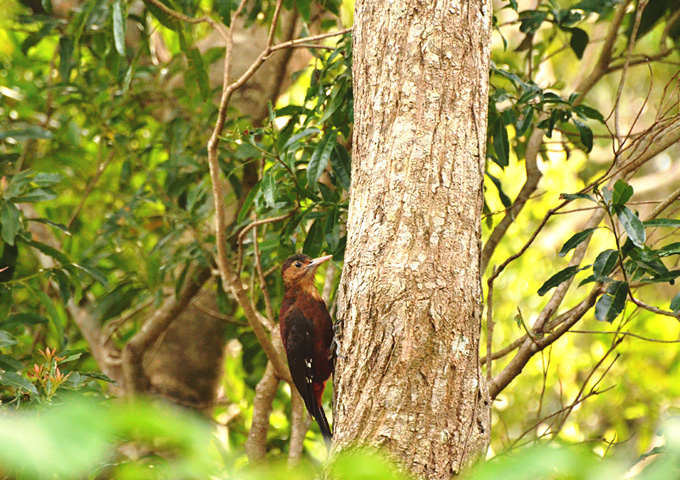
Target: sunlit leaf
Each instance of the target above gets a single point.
(576, 240)
(559, 278)
(632, 225)
(119, 16)
(611, 303)
(605, 263)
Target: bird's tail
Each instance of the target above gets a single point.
(319, 415)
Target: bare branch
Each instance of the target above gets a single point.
(299, 424)
(605, 54)
(256, 445)
(133, 353)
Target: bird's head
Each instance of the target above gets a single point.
(300, 268)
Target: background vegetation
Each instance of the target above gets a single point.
(107, 215)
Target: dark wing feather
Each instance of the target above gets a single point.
(300, 350)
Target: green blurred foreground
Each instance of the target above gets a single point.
(86, 438)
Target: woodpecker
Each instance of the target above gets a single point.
(307, 334)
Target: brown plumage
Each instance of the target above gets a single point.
(307, 334)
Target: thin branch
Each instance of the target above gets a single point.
(528, 349)
(258, 222)
(646, 339)
(263, 284)
(605, 54)
(489, 327)
(653, 309)
(533, 176)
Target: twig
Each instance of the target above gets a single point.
(250, 226)
(489, 327)
(263, 284)
(101, 168)
(653, 309)
(530, 184)
(655, 340)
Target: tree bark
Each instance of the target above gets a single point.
(410, 294)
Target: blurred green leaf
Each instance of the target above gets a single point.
(26, 318)
(119, 15)
(320, 157)
(622, 193)
(6, 339)
(10, 217)
(15, 380)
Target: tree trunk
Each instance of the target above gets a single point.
(410, 294)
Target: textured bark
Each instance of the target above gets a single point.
(410, 294)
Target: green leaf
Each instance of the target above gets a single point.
(46, 179)
(60, 257)
(28, 318)
(98, 376)
(119, 15)
(622, 193)
(199, 72)
(15, 380)
(319, 160)
(605, 263)
(501, 144)
(10, 217)
(577, 196)
(304, 7)
(586, 134)
(314, 241)
(269, 188)
(6, 339)
(662, 222)
(65, 58)
(560, 277)
(531, 20)
(342, 166)
(248, 202)
(631, 224)
(611, 303)
(668, 250)
(52, 311)
(29, 133)
(576, 240)
(94, 273)
(587, 112)
(166, 20)
(37, 195)
(304, 133)
(578, 42)
(224, 10)
(505, 200)
(10, 364)
(115, 302)
(524, 122)
(675, 303)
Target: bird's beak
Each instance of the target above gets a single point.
(314, 264)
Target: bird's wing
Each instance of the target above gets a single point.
(300, 350)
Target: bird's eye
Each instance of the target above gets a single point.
(298, 264)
